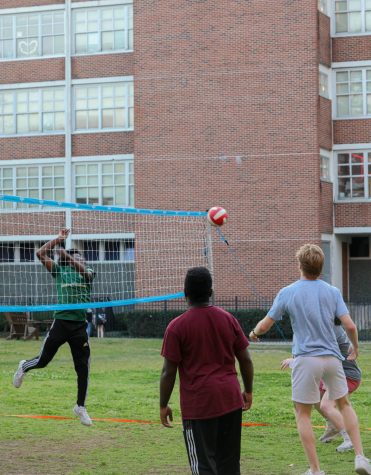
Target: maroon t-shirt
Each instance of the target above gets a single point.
(203, 342)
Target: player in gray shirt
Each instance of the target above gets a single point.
(312, 306)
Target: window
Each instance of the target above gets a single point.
(103, 29)
(32, 111)
(104, 106)
(323, 85)
(6, 252)
(354, 175)
(32, 35)
(45, 182)
(106, 183)
(352, 16)
(326, 271)
(325, 167)
(19, 252)
(108, 250)
(359, 247)
(323, 6)
(353, 93)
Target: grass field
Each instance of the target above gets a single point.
(124, 384)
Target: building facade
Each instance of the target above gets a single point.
(261, 107)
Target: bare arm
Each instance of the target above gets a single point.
(247, 374)
(261, 328)
(352, 332)
(167, 382)
(43, 252)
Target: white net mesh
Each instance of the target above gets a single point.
(138, 256)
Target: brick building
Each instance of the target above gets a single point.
(263, 107)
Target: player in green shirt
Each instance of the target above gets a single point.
(73, 279)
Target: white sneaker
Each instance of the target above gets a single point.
(19, 375)
(81, 412)
(362, 465)
(330, 434)
(309, 472)
(345, 446)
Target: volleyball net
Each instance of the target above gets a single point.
(137, 255)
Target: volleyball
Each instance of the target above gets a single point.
(217, 216)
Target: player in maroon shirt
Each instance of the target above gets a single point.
(202, 344)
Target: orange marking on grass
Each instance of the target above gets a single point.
(140, 421)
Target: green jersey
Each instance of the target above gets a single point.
(72, 287)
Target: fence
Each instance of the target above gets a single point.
(150, 320)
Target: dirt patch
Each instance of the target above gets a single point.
(45, 457)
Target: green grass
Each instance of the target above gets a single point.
(124, 384)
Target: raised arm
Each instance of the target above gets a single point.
(43, 252)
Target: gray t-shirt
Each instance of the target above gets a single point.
(351, 368)
(312, 306)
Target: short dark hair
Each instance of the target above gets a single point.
(198, 285)
(73, 251)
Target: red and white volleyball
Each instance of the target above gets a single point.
(217, 216)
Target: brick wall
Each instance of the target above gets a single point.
(226, 104)
(14, 148)
(104, 143)
(352, 214)
(326, 209)
(103, 65)
(324, 39)
(352, 48)
(324, 123)
(37, 70)
(352, 131)
(27, 3)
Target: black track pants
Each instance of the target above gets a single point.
(73, 333)
(214, 445)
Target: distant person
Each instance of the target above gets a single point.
(73, 279)
(312, 306)
(89, 322)
(334, 419)
(100, 321)
(202, 344)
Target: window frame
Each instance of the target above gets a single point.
(326, 72)
(364, 69)
(128, 30)
(79, 243)
(40, 110)
(128, 106)
(53, 10)
(16, 244)
(362, 11)
(129, 182)
(366, 166)
(25, 191)
(328, 156)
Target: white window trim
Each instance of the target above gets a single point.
(364, 92)
(101, 249)
(100, 3)
(336, 181)
(328, 154)
(95, 82)
(100, 183)
(328, 6)
(324, 70)
(347, 34)
(35, 9)
(40, 10)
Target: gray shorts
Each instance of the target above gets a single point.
(307, 373)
